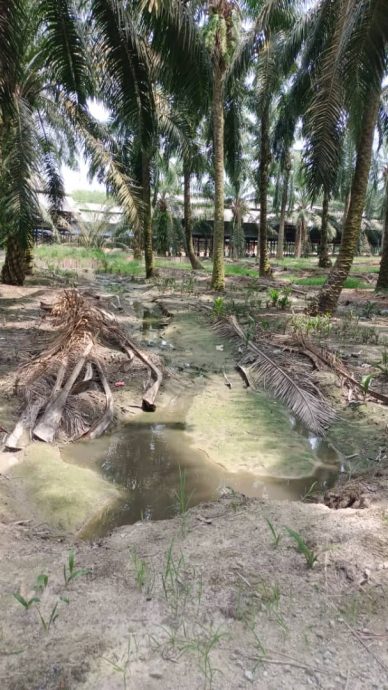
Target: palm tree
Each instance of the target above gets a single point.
(221, 38)
(350, 67)
(382, 280)
(324, 259)
(237, 128)
(287, 166)
(33, 133)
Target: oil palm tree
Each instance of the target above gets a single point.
(32, 132)
(145, 47)
(350, 69)
(221, 39)
(287, 167)
(43, 114)
(382, 280)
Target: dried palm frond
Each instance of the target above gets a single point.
(53, 385)
(333, 362)
(295, 389)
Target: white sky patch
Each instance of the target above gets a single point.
(78, 179)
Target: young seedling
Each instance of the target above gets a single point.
(366, 383)
(70, 572)
(26, 603)
(276, 536)
(141, 570)
(182, 497)
(310, 492)
(219, 307)
(301, 546)
(273, 295)
(383, 364)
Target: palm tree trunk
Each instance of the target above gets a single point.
(195, 263)
(298, 240)
(324, 260)
(382, 280)
(264, 266)
(218, 277)
(13, 271)
(147, 215)
(238, 234)
(283, 207)
(330, 292)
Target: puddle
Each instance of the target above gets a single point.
(145, 460)
(221, 438)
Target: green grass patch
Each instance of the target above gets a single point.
(237, 270)
(364, 268)
(302, 264)
(230, 269)
(170, 263)
(59, 252)
(316, 281)
(118, 264)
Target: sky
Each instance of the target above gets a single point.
(78, 179)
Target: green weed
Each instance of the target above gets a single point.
(182, 497)
(301, 546)
(276, 536)
(383, 364)
(219, 307)
(304, 325)
(40, 585)
(143, 576)
(26, 603)
(317, 281)
(310, 492)
(366, 383)
(273, 295)
(70, 572)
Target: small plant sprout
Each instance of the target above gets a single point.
(366, 382)
(284, 298)
(301, 546)
(26, 603)
(383, 364)
(273, 294)
(276, 536)
(181, 495)
(41, 582)
(219, 307)
(310, 492)
(33, 603)
(141, 570)
(70, 572)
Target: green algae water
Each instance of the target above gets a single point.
(221, 438)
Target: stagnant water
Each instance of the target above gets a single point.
(216, 438)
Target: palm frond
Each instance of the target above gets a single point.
(63, 47)
(19, 208)
(12, 19)
(100, 149)
(297, 392)
(185, 67)
(124, 53)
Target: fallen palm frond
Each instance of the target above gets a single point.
(330, 360)
(57, 386)
(272, 371)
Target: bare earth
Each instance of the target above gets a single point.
(206, 600)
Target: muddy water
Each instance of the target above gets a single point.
(220, 438)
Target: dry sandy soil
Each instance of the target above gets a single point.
(211, 599)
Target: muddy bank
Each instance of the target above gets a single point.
(208, 601)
